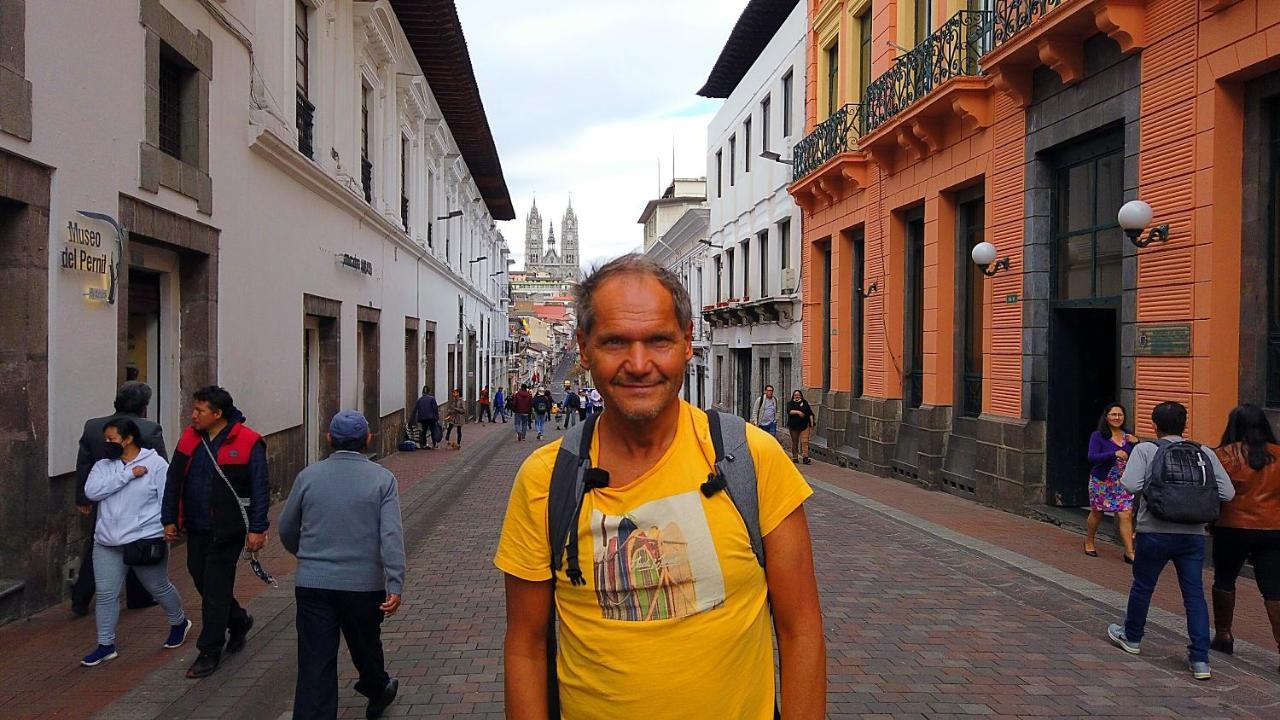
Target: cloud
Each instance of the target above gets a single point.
(589, 98)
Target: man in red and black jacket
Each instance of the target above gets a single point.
(197, 497)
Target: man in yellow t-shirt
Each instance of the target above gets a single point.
(673, 619)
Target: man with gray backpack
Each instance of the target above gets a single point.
(1180, 486)
(651, 552)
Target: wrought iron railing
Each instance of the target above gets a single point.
(366, 178)
(831, 137)
(306, 122)
(951, 51)
(1014, 16)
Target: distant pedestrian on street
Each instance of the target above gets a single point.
(1248, 527)
(128, 486)
(131, 402)
(485, 411)
(456, 417)
(522, 410)
(1109, 449)
(597, 401)
(572, 403)
(627, 561)
(426, 412)
(342, 520)
(541, 411)
(584, 405)
(765, 414)
(800, 422)
(1182, 487)
(218, 480)
(499, 406)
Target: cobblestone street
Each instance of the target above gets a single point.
(923, 620)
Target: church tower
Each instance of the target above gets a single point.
(532, 237)
(569, 242)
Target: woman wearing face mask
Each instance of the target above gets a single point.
(128, 487)
(800, 420)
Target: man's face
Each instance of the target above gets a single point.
(637, 348)
(204, 417)
(768, 392)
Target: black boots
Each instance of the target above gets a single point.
(1224, 610)
(380, 703)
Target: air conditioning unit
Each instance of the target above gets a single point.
(790, 280)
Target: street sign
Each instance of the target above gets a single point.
(1165, 340)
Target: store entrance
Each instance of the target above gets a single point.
(143, 359)
(1084, 367)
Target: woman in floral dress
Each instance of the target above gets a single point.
(1109, 449)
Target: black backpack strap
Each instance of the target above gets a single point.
(563, 500)
(735, 473)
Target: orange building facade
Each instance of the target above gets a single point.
(934, 125)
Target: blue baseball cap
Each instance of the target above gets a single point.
(348, 425)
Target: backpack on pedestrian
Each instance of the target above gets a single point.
(1180, 486)
(540, 405)
(572, 477)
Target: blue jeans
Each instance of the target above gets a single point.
(570, 418)
(539, 421)
(108, 574)
(771, 428)
(522, 424)
(1151, 552)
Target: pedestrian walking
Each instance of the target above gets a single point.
(485, 410)
(499, 406)
(800, 422)
(128, 486)
(584, 405)
(597, 401)
(342, 520)
(522, 410)
(1248, 528)
(1182, 486)
(653, 477)
(218, 480)
(456, 417)
(541, 410)
(132, 399)
(426, 412)
(572, 404)
(765, 413)
(1109, 449)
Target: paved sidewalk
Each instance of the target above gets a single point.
(40, 655)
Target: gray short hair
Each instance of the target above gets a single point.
(133, 397)
(630, 264)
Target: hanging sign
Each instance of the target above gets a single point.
(93, 244)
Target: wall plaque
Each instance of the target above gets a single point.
(1165, 340)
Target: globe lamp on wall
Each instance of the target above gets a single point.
(1134, 217)
(984, 255)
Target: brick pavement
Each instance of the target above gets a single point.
(922, 619)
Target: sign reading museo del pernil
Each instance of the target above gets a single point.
(1165, 340)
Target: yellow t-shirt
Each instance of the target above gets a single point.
(673, 621)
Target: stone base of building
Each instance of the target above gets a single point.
(921, 445)
(829, 433)
(1010, 462)
(286, 457)
(390, 428)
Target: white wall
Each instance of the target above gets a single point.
(280, 221)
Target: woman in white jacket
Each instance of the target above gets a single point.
(128, 487)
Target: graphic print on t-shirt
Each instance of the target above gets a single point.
(656, 562)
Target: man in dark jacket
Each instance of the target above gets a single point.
(131, 402)
(219, 472)
(426, 412)
(522, 410)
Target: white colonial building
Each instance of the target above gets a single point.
(305, 192)
(753, 275)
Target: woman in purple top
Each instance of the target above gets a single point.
(1109, 449)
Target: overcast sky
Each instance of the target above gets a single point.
(588, 98)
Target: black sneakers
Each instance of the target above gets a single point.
(376, 706)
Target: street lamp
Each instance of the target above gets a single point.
(476, 260)
(771, 155)
(452, 214)
(1134, 217)
(708, 243)
(984, 255)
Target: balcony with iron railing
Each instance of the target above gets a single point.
(837, 134)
